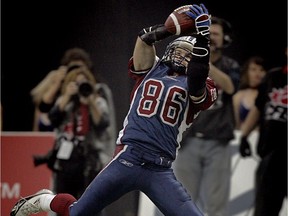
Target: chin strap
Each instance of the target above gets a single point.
(153, 34)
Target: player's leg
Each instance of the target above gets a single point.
(117, 179)
(168, 194)
(43, 200)
(111, 183)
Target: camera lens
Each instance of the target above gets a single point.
(85, 89)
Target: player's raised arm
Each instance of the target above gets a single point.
(198, 67)
(144, 51)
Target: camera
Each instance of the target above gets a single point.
(40, 159)
(85, 89)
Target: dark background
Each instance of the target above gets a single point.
(35, 34)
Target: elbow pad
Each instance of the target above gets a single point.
(153, 34)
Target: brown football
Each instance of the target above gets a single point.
(179, 23)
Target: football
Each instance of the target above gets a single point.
(178, 22)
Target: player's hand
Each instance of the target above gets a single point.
(153, 34)
(202, 18)
(244, 148)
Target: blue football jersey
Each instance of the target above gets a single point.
(160, 111)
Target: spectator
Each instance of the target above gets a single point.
(168, 95)
(251, 75)
(270, 112)
(80, 117)
(203, 165)
(108, 137)
(46, 92)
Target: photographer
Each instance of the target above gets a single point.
(47, 90)
(80, 117)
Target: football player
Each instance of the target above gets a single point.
(168, 94)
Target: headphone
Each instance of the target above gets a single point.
(227, 29)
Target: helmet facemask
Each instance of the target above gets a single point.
(179, 53)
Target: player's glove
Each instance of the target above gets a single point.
(153, 34)
(244, 148)
(202, 18)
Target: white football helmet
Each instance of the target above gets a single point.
(176, 60)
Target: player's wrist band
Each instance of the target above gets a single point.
(153, 34)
